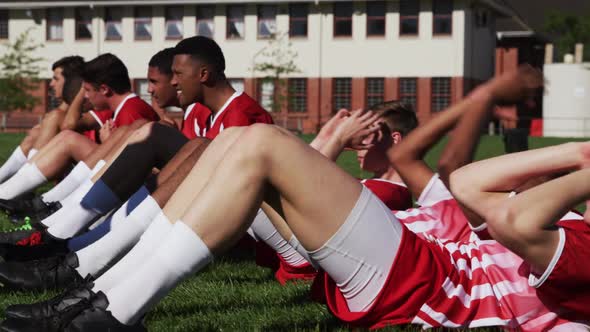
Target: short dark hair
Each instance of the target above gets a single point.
(163, 61)
(71, 88)
(70, 66)
(203, 49)
(109, 70)
(398, 116)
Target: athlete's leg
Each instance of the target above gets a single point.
(18, 157)
(29, 141)
(49, 128)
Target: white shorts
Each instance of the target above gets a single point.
(359, 256)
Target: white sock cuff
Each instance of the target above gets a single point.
(160, 226)
(81, 170)
(36, 173)
(182, 240)
(99, 164)
(32, 153)
(19, 154)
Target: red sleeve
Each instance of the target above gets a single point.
(236, 119)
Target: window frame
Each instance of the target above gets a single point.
(436, 16)
(168, 20)
(200, 19)
(230, 20)
(402, 94)
(339, 95)
(78, 21)
(4, 21)
(259, 20)
(402, 18)
(293, 19)
(142, 20)
(108, 19)
(435, 94)
(292, 94)
(369, 94)
(376, 18)
(50, 22)
(337, 19)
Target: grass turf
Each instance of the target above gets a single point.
(233, 294)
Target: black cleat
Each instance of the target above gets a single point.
(23, 206)
(18, 253)
(97, 319)
(49, 273)
(16, 236)
(79, 293)
(36, 215)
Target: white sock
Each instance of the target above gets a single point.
(265, 231)
(181, 254)
(119, 240)
(99, 165)
(26, 179)
(32, 153)
(68, 184)
(72, 199)
(148, 242)
(16, 160)
(74, 217)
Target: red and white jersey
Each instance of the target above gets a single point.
(133, 108)
(191, 121)
(238, 111)
(101, 117)
(395, 195)
(445, 282)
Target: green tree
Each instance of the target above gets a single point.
(568, 30)
(19, 73)
(275, 61)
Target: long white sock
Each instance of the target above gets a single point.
(76, 216)
(26, 179)
(72, 199)
(16, 160)
(266, 231)
(180, 255)
(66, 186)
(149, 241)
(118, 241)
(32, 153)
(99, 165)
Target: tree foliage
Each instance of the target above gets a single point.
(275, 61)
(568, 30)
(19, 74)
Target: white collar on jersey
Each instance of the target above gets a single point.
(224, 107)
(189, 109)
(96, 118)
(118, 110)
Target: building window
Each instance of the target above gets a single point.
(205, 25)
(408, 91)
(409, 11)
(375, 90)
(141, 89)
(298, 19)
(267, 21)
(376, 18)
(441, 93)
(341, 93)
(342, 19)
(55, 30)
(113, 27)
(174, 27)
(3, 24)
(83, 23)
(235, 22)
(442, 13)
(237, 84)
(297, 95)
(143, 23)
(481, 18)
(266, 93)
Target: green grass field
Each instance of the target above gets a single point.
(233, 294)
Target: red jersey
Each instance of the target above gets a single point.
(190, 128)
(133, 108)
(101, 117)
(238, 111)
